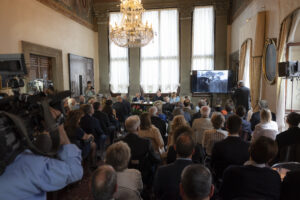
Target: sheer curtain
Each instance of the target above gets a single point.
(160, 58)
(246, 75)
(119, 67)
(203, 38)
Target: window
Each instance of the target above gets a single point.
(203, 38)
(119, 65)
(160, 58)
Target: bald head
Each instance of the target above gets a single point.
(104, 183)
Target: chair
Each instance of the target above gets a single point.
(290, 153)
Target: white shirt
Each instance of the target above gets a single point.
(268, 129)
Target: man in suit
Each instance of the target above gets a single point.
(127, 105)
(167, 179)
(255, 118)
(91, 125)
(242, 96)
(143, 156)
(138, 98)
(230, 151)
(196, 183)
(121, 109)
(158, 96)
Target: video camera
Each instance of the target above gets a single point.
(22, 117)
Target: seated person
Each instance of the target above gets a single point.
(158, 97)
(138, 98)
(230, 151)
(111, 113)
(196, 183)
(143, 156)
(229, 107)
(104, 183)
(149, 131)
(177, 121)
(174, 98)
(121, 109)
(255, 118)
(30, 176)
(202, 124)
(187, 112)
(118, 156)
(197, 115)
(290, 186)
(254, 180)
(265, 123)
(168, 108)
(158, 122)
(198, 155)
(167, 178)
(290, 136)
(77, 136)
(246, 126)
(210, 137)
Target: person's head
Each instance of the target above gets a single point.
(234, 124)
(202, 103)
(91, 100)
(145, 121)
(263, 104)
(138, 95)
(89, 84)
(132, 124)
(205, 111)
(167, 99)
(173, 95)
(184, 146)
(108, 102)
(229, 107)
(263, 150)
(241, 111)
(97, 106)
(81, 99)
(186, 103)
(196, 183)
(119, 99)
(104, 183)
(180, 130)
(241, 83)
(88, 109)
(177, 121)
(118, 156)
(158, 93)
(177, 111)
(153, 111)
(293, 119)
(73, 119)
(265, 115)
(217, 120)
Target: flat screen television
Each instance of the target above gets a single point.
(211, 81)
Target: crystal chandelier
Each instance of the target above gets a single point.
(132, 32)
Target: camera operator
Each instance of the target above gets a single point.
(30, 175)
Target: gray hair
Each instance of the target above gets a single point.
(132, 123)
(205, 111)
(263, 104)
(104, 183)
(153, 110)
(118, 156)
(196, 181)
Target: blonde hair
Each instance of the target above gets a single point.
(265, 115)
(132, 123)
(178, 120)
(118, 155)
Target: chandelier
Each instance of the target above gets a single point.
(132, 32)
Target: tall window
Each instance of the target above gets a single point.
(160, 58)
(203, 38)
(119, 67)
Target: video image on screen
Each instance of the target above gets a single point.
(211, 81)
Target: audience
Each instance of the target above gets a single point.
(111, 113)
(177, 121)
(158, 123)
(254, 180)
(202, 124)
(229, 107)
(174, 98)
(289, 139)
(138, 98)
(187, 112)
(158, 96)
(197, 115)
(129, 181)
(266, 123)
(210, 137)
(143, 156)
(246, 131)
(290, 186)
(255, 118)
(167, 178)
(121, 109)
(196, 183)
(230, 151)
(104, 183)
(149, 131)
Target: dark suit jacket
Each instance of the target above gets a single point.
(242, 97)
(198, 156)
(167, 179)
(121, 111)
(255, 119)
(250, 182)
(160, 124)
(156, 98)
(127, 107)
(290, 186)
(91, 125)
(135, 99)
(230, 151)
(103, 120)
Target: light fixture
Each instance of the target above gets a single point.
(132, 32)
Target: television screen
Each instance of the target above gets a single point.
(212, 81)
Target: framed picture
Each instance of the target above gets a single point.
(270, 61)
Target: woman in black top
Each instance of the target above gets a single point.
(111, 113)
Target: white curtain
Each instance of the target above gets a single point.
(203, 38)
(119, 66)
(160, 58)
(246, 75)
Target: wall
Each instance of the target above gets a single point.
(243, 27)
(31, 21)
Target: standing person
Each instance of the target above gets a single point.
(242, 96)
(89, 90)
